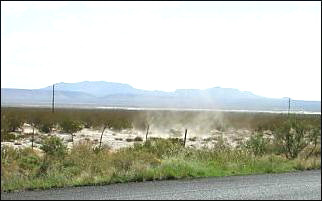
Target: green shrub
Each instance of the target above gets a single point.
(46, 127)
(138, 139)
(7, 137)
(11, 121)
(314, 138)
(53, 146)
(43, 121)
(71, 126)
(291, 137)
(257, 144)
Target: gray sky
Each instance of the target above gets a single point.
(272, 49)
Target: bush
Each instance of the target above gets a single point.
(129, 139)
(41, 120)
(291, 137)
(7, 137)
(138, 139)
(257, 144)
(11, 121)
(314, 140)
(46, 126)
(71, 126)
(53, 146)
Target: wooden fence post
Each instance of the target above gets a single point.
(185, 137)
(32, 140)
(105, 126)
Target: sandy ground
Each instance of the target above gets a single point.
(116, 140)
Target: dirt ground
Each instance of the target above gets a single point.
(124, 138)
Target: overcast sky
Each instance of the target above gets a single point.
(272, 49)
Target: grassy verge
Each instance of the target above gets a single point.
(157, 159)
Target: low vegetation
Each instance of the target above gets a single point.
(294, 145)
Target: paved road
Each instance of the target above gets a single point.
(297, 185)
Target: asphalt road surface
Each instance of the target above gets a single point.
(297, 185)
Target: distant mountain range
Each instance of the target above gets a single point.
(100, 93)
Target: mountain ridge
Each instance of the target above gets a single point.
(102, 88)
(101, 93)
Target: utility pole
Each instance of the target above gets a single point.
(52, 108)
